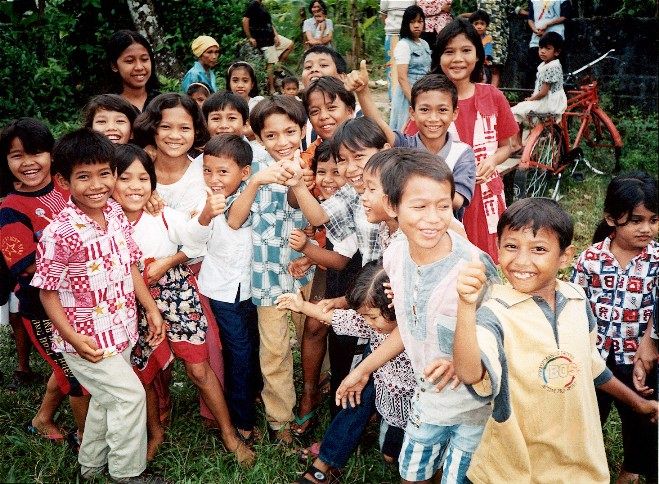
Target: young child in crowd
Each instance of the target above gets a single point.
(86, 269)
(25, 147)
(206, 50)
(370, 316)
(484, 122)
(241, 80)
(548, 95)
(225, 278)
(132, 68)
(434, 101)
(412, 58)
(619, 274)
(480, 20)
(444, 427)
(279, 124)
(111, 115)
(199, 92)
(531, 347)
(290, 86)
(159, 237)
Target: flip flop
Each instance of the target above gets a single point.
(312, 420)
(32, 430)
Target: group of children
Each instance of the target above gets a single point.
(127, 256)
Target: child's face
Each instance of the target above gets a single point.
(223, 175)
(416, 26)
(374, 318)
(290, 89)
(240, 82)
(199, 97)
(433, 113)
(318, 65)
(90, 186)
(31, 170)
(374, 199)
(531, 262)
(351, 165)
(480, 26)
(634, 232)
(133, 189)
(113, 124)
(325, 115)
(281, 136)
(227, 120)
(175, 133)
(458, 59)
(548, 53)
(424, 213)
(328, 179)
(209, 58)
(134, 66)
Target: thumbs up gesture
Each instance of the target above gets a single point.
(471, 280)
(357, 80)
(294, 169)
(215, 205)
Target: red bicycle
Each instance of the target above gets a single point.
(552, 147)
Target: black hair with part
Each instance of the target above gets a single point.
(120, 41)
(35, 137)
(225, 99)
(357, 133)
(322, 154)
(287, 105)
(377, 163)
(198, 87)
(552, 38)
(290, 80)
(536, 214)
(480, 15)
(452, 30)
(434, 82)
(108, 102)
(322, 5)
(407, 163)
(339, 61)
(83, 146)
(146, 124)
(411, 13)
(331, 87)
(250, 71)
(129, 153)
(231, 146)
(624, 193)
(367, 290)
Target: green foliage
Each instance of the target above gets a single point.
(639, 132)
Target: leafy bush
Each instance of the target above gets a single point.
(639, 132)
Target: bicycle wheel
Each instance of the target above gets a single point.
(542, 154)
(602, 144)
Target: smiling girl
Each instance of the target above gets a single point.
(111, 115)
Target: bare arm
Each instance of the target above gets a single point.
(156, 325)
(542, 92)
(403, 81)
(241, 207)
(626, 395)
(310, 207)
(295, 302)
(248, 34)
(324, 257)
(485, 169)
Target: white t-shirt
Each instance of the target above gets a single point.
(186, 194)
(394, 9)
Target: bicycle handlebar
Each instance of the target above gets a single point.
(590, 64)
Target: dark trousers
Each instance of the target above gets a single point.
(238, 323)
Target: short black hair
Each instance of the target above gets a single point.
(536, 214)
(380, 160)
(434, 82)
(35, 137)
(290, 80)
(252, 74)
(127, 154)
(480, 15)
(339, 61)
(230, 146)
(322, 154)
(411, 12)
(331, 87)
(199, 86)
(120, 41)
(319, 2)
(356, 134)
(146, 124)
(83, 146)
(108, 102)
(451, 30)
(225, 99)
(367, 290)
(287, 105)
(552, 38)
(408, 163)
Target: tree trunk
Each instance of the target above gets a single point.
(146, 23)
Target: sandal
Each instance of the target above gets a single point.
(316, 474)
(32, 430)
(310, 419)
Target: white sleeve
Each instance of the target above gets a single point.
(347, 247)
(402, 53)
(188, 233)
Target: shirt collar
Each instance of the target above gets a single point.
(512, 297)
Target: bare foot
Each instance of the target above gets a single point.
(156, 438)
(243, 454)
(47, 429)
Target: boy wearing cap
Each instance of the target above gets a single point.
(207, 50)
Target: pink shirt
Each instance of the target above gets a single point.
(90, 267)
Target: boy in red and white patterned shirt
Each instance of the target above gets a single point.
(87, 273)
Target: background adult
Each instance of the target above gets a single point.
(391, 13)
(318, 30)
(438, 14)
(206, 50)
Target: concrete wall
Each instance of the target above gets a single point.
(633, 81)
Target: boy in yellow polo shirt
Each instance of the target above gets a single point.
(531, 347)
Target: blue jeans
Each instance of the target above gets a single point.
(239, 334)
(345, 430)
